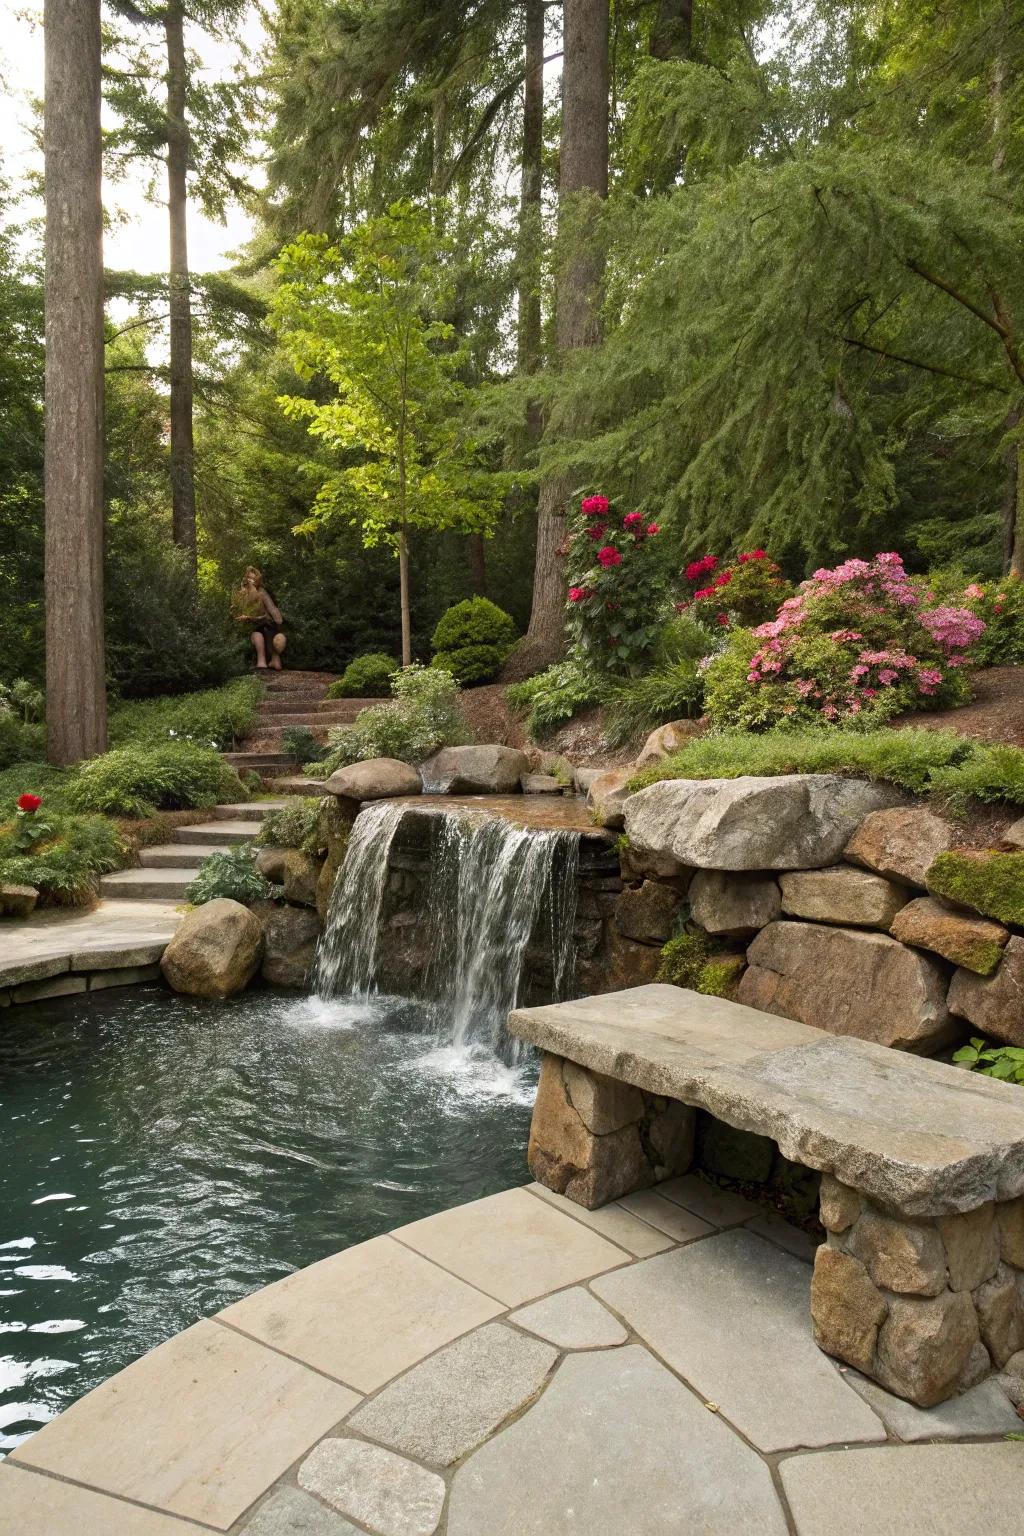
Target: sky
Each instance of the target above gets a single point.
(137, 243)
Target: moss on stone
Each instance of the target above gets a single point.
(991, 883)
(719, 977)
(683, 959)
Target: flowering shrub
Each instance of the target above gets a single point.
(615, 598)
(1000, 604)
(28, 827)
(748, 591)
(861, 640)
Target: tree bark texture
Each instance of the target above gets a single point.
(183, 494)
(403, 588)
(672, 32)
(528, 335)
(76, 705)
(583, 169)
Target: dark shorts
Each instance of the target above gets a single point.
(268, 629)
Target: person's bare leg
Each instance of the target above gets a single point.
(261, 653)
(277, 646)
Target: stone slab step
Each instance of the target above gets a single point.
(180, 855)
(147, 884)
(253, 810)
(209, 833)
(242, 760)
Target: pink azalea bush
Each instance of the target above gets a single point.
(616, 594)
(855, 644)
(1000, 604)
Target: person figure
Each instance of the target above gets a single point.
(254, 605)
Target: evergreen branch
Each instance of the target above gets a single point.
(996, 322)
(913, 362)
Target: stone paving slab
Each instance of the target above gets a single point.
(290, 1512)
(982, 1412)
(390, 1495)
(199, 1427)
(615, 1447)
(920, 1490)
(34, 1505)
(365, 1314)
(730, 1315)
(59, 939)
(844, 1106)
(571, 1319)
(637, 1237)
(512, 1246)
(720, 1207)
(450, 1403)
(769, 1224)
(681, 1225)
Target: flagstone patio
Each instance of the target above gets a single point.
(522, 1367)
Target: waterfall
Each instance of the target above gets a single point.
(492, 886)
(346, 958)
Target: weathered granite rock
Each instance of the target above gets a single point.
(994, 1004)
(619, 962)
(924, 1345)
(1013, 837)
(848, 982)
(847, 1308)
(669, 738)
(216, 950)
(541, 784)
(1011, 1379)
(800, 821)
(17, 900)
(301, 873)
(976, 943)
(603, 1103)
(839, 1204)
(1000, 1310)
(484, 770)
(335, 825)
(1010, 1219)
(379, 778)
(290, 1512)
(899, 844)
(270, 863)
(607, 796)
(842, 895)
(898, 1255)
(556, 766)
(971, 1241)
(648, 912)
(733, 905)
(290, 939)
(977, 1369)
(979, 1410)
(641, 864)
(988, 882)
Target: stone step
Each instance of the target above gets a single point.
(214, 832)
(253, 810)
(180, 855)
(147, 884)
(240, 761)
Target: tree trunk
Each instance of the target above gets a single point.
(477, 563)
(403, 586)
(528, 336)
(76, 704)
(672, 32)
(1013, 496)
(183, 492)
(583, 168)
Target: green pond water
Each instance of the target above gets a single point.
(161, 1157)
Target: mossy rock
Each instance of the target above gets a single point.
(991, 883)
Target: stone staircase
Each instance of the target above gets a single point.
(291, 699)
(167, 868)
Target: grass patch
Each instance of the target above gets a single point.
(940, 764)
(214, 717)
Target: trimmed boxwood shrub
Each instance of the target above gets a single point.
(365, 677)
(136, 781)
(473, 639)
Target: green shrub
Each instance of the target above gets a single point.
(138, 780)
(19, 742)
(991, 883)
(1001, 605)
(300, 744)
(66, 863)
(554, 696)
(365, 677)
(473, 639)
(1005, 1062)
(635, 707)
(422, 717)
(216, 717)
(295, 825)
(37, 778)
(232, 874)
(24, 700)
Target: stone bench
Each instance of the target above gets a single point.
(920, 1284)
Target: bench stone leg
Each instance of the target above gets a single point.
(593, 1138)
(927, 1307)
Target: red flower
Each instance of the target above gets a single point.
(608, 556)
(653, 528)
(755, 554)
(723, 580)
(632, 520)
(29, 803)
(723, 619)
(594, 506)
(579, 594)
(700, 568)
(704, 592)
(596, 531)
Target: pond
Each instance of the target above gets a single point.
(161, 1157)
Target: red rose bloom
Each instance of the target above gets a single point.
(632, 520)
(594, 506)
(579, 594)
(653, 528)
(755, 554)
(596, 531)
(29, 803)
(700, 568)
(723, 580)
(608, 556)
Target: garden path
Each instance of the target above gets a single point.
(520, 1366)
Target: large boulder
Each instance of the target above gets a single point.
(899, 844)
(486, 770)
(798, 821)
(669, 738)
(733, 906)
(290, 939)
(849, 982)
(379, 778)
(607, 795)
(842, 895)
(994, 1004)
(216, 950)
(976, 943)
